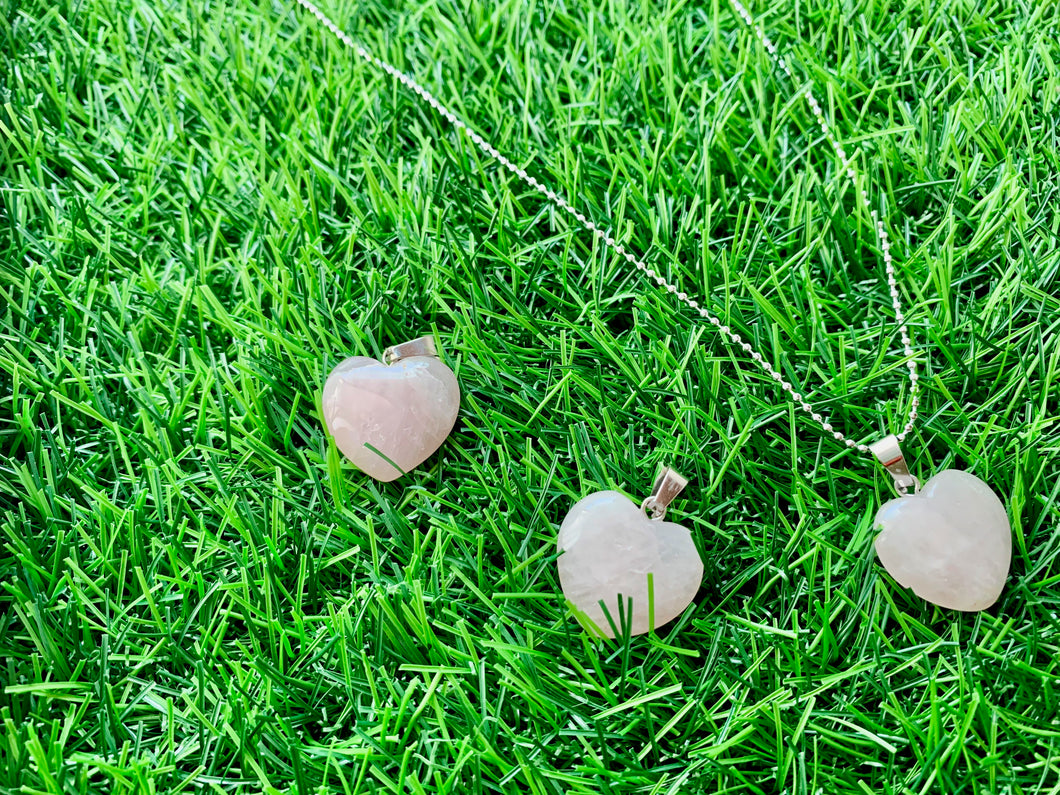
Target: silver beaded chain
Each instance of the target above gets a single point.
(730, 336)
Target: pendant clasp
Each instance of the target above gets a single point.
(421, 346)
(668, 484)
(889, 453)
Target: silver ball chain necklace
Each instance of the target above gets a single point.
(949, 540)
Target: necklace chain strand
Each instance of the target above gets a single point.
(731, 337)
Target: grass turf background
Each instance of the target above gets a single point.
(205, 206)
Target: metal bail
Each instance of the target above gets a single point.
(668, 484)
(421, 346)
(888, 452)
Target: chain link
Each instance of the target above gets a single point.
(881, 231)
(732, 338)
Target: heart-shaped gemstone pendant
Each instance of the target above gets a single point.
(612, 552)
(388, 417)
(951, 542)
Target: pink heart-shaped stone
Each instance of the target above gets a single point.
(389, 418)
(951, 543)
(608, 546)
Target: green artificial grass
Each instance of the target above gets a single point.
(205, 206)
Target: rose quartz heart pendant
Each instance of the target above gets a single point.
(950, 541)
(608, 549)
(388, 417)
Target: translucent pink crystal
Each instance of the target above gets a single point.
(388, 419)
(609, 546)
(951, 543)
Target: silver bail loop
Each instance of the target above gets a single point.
(421, 346)
(668, 484)
(889, 453)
